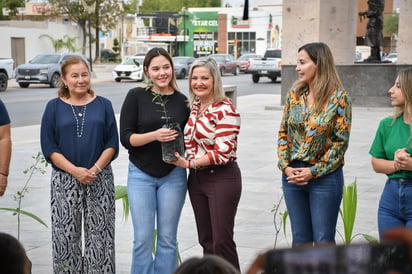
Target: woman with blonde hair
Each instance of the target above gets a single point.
(214, 182)
(313, 138)
(390, 151)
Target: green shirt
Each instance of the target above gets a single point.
(389, 138)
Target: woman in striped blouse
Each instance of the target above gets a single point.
(214, 182)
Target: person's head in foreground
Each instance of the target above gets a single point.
(13, 258)
(209, 264)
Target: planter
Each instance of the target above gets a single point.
(177, 145)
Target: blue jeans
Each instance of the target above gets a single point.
(155, 201)
(313, 208)
(395, 205)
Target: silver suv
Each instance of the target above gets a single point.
(43, 69)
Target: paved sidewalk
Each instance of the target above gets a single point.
(254, 230)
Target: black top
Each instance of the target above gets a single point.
(140, 114)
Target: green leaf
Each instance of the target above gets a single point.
(348, 209)
(285, 217)
(29, 214)
(120, 192)
(369, 238)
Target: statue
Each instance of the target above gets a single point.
(374, 28)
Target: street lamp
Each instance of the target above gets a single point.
(89, 6)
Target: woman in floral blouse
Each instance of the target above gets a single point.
(313, 138)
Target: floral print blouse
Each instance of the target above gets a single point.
(318, 139)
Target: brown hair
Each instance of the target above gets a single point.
(155, 52)
(326, 79)
(405, 85)
(63, 89)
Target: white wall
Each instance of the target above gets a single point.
(30, 31)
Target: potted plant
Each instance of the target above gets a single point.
(176, 145)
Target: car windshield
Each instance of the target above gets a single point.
(219, 58)
(246, 57)
(180, 60)
(130, 61)
(273, 54)
(45, 59)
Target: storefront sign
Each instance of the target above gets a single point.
(204, 21)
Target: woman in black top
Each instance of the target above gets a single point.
(156, 189)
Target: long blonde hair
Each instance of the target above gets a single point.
(326, 79)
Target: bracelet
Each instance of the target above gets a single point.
(4, 174)
(97, 166)
(188, 164)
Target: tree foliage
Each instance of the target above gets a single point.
(103, 15)
(63, 43)
(391, 25)
(12, 5)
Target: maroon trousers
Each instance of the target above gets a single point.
(215, 193)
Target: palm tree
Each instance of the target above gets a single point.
(65, 42)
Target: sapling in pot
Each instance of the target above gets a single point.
(176, 145)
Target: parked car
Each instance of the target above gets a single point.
(43, 69)
(227, 63)
(269, 66)
(107, 55)
(243, 61)
(6, 72)
(391, 57)
(131, 69)
(182, 65)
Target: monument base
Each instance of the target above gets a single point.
(366, 83)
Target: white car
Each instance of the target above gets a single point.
(131, 69)
(391, 57)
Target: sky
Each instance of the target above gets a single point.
(236, 3)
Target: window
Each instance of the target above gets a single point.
(246, 42)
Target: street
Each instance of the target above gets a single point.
(26, 105)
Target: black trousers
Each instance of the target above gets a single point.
(215, 193)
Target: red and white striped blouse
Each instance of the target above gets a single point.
(213, 132)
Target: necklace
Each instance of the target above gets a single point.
(77, 116)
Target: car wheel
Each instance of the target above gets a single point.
(237, 71)
(274, 79)
(24, 85)
(54, 81)
(183, 74)
(255, 78)
(117, 80)
(3, 81)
